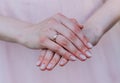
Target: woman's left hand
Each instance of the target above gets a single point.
(48, 59)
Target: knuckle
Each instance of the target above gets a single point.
(66, 55)
(52, 21)
(76, 29)
(73, 19)
(71, 36)
(57, 48)
(61, 40)
(58, 14)
(43, 39)
(64, 43)
(81, 26)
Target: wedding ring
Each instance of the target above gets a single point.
(54, 37)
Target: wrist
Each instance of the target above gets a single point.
(19, 36)
(92, 32)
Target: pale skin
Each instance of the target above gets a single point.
(68, 44)
(39, 36)
(95, 27)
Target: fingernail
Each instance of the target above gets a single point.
(49, 66)
(62, 62)
(83, 56)
(42, 66)
(89, 45)
(38, 63)
(88, 53)
(72, 57)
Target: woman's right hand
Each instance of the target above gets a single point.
(48, 60)
(68, 42)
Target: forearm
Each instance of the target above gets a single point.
(10, 29)
(101, 20)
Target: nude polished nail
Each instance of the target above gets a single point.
(89, 45)
(42, 66)
(38, 63)
(83, 56)
(89, 54)
(73, 58)
(62, 62)
(49, 66)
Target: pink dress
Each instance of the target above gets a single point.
(17, 63)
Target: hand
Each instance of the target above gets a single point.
(40, 36)
(96, 26)
(48, 59)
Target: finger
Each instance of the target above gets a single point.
(76, 22)
(46, 60)
(70, 36)
(49, 44)
(67, 33)
(84, 50)
(63, 61)
(85, 40)
(73, 27)
(61, 40)
(61, 29)
(55, 60)
(83, 43)
(42, 55)
(68, 23)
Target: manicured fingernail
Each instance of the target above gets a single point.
(89, 45)
(62, 62)
(42, 66)
(38, 63)
(73, 58)
(49, 66)
(88, 53)
(83, 56)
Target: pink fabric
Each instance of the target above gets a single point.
(17, 63)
